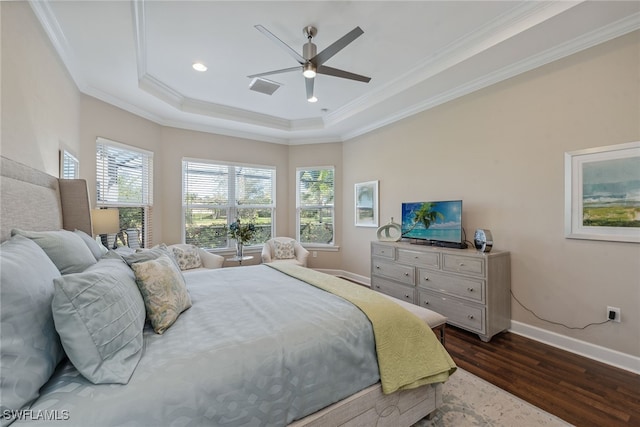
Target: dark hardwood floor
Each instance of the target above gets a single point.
(579, 390)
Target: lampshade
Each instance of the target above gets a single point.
(105, 221)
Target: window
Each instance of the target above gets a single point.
(69, 165)
(214, 195)
(124, 177)
(314, 205)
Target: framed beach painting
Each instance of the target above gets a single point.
(366, 204)
(602, 193)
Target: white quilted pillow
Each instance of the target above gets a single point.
(284, 250)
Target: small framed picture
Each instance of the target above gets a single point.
(602, 193)
(366, 204)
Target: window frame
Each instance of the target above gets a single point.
(146, 186)
(231, 206)
(69, 162)
(316, 245)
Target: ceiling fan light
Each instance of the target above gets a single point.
(199, 66)
(309, 70)
(312, 99)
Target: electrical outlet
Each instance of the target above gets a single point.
(616, 312)
(314, 254)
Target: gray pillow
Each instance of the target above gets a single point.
(65, 248)
(143, 255)
(99, 315)
(30, 347)
(97, 249)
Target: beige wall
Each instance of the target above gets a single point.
(501, 150)
(178, 144)
(40, 102)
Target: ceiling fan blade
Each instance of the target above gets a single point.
(268, 73)
(337, 46)
(329, 71)
(282, 44)
(309, 85)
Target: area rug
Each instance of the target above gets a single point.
(471, 401)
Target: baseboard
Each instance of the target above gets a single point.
(572, 345)
(583, 348)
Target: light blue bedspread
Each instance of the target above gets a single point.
(257, 348)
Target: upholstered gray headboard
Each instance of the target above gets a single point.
(33, 200)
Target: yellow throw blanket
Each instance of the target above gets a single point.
(409, 354)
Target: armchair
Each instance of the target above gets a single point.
(284, 249)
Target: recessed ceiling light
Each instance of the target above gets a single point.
(199, 66)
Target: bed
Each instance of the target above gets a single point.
(255, 346)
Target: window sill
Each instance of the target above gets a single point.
(321, 248)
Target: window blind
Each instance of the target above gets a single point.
(123, 175)
(124, 180)
(215, 194)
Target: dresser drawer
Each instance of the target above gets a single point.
(396, 290)
(425, 259)
(463, 264)
(457, 312)
(383, 251)
(471, 289)
(399, 272)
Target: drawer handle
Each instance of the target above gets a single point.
(470, 317)
(426, 303)
(426, 278)
(461, 264)
(381, 252)
(378, 286)
(470, 289)
(378, 267)
(406, 296)
(416, 257)
(406, 274)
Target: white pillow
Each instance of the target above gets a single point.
(284, 250)
(187, 256)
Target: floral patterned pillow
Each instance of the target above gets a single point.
(187, 256)
(163, 290)
(284, 250)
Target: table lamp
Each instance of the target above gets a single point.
(105, 221)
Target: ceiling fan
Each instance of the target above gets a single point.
(312, 63)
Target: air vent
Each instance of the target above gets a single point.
(264, 86)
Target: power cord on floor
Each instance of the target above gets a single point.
(556, 323)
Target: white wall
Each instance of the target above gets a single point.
(501, 150)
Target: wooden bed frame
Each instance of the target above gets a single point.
(34, 200)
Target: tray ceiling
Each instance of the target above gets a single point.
(138, 56)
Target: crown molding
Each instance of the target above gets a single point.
(492, 33)
(586, 41)
(241, 123)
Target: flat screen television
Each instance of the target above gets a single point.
(439, 223)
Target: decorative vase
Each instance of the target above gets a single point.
(239, 246)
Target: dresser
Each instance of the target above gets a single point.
(470, 288)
